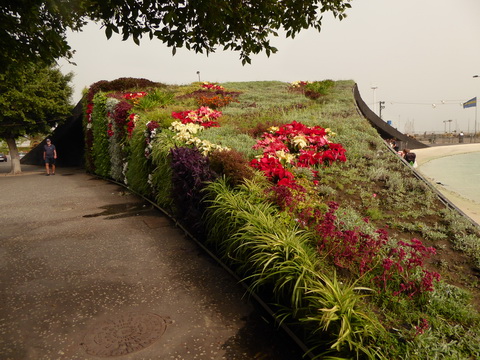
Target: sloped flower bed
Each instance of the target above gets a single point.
(269, 219)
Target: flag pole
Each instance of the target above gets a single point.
(470, 103)
(475, 131)
(475, 134)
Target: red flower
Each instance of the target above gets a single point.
(202, 116)
(273, 170)
(151, 125)
(89, 108)
(130, 127)
(133, 96)
(309, 144)
(110, 130)
(211, 86)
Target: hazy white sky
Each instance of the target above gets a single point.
(416, 52)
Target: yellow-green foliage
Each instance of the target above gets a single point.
(139, 167)
(101, 154)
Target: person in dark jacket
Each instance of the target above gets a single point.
(49, 155)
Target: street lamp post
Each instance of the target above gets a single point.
(381, 106)
(475, 131)
(445, 125)
(374, 100)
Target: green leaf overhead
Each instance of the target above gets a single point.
(34, 29)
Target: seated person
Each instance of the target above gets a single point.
(409, 156)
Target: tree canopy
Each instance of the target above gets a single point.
(33, 98)
(37, 29)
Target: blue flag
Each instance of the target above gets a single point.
(470, 103)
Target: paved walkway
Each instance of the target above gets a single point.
(90, 271)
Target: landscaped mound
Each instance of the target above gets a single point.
(303, 200)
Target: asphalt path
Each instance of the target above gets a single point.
(90, 271)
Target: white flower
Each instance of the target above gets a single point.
(300, 141)
(124, 172)
(285, 156)
(186, 132)
(330, 132)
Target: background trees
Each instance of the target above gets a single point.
(33, 98)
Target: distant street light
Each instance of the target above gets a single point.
(445, 125)
(198, 73)
(381, 106)
(475, 132)
(374, 100)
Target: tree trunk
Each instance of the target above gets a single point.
(14, 158)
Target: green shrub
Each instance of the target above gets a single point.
(316, 89)
(162, 175)
(139, 167)
(275, 254)
(154, 99)
(100, 151)
(162, 116)
(229, 137)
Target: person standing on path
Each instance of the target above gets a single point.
(49, 155)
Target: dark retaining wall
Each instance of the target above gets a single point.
(385, 130)
(68, 139)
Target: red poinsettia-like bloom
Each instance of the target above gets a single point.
(273, 169)
(151, 125)
(131, 124)
(211, 86)
(134, 95)
(203, 116)
(295, 144)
